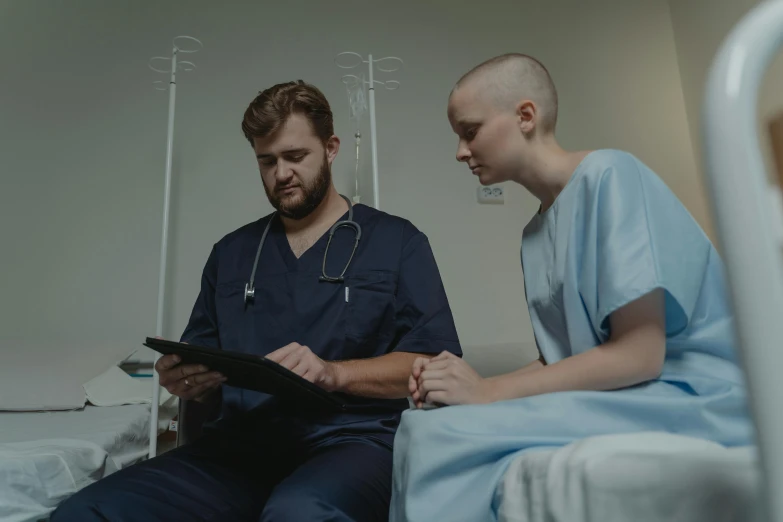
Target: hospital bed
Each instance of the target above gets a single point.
(665, 477)
(48, 455)
(117, 430)
(45, 457)
(641, 477)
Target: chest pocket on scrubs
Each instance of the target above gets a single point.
(240, 324)
(371, 305)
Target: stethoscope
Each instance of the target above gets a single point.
(250, 290)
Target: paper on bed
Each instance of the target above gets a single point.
(38, 375)
(115, 387)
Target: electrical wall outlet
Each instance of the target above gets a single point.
(490, 195)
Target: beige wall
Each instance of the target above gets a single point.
(700, 27)
(82, 141)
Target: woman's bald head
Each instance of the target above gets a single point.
(508, 79)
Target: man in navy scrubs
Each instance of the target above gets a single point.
(358, 336)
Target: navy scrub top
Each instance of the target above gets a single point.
(392, 299)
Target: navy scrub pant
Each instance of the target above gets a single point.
(218, 478)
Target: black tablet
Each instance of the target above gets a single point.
(252, 372)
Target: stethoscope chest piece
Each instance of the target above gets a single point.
(250, 293)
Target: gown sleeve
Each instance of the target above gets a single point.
(423, 317)
(638, 237)
(202, 327)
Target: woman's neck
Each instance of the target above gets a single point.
(550, 171)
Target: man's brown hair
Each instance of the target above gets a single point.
(273, 106)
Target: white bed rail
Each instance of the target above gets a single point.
(738, 188)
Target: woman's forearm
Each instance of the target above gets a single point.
(634, 354)
(607, 367)
(535, 365)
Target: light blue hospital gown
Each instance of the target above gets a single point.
(614, 233)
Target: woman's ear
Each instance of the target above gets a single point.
(527, 116)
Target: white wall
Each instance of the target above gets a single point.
(700, 27)
(82, 140)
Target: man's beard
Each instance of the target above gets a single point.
(313, 195)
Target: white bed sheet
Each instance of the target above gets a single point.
(47, 456)
(36, 476)
(646, 477)
(121, 431)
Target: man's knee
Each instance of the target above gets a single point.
(81, 506)
(110, 498)
(359, 491)
(297, 505)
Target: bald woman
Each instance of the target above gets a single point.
(627, 299)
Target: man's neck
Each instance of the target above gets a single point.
(551, 170)
(331, 208)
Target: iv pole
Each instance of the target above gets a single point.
(389, 84)
(172, 87)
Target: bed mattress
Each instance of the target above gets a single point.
(121, 431)
(646, 477)
(47, 456)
